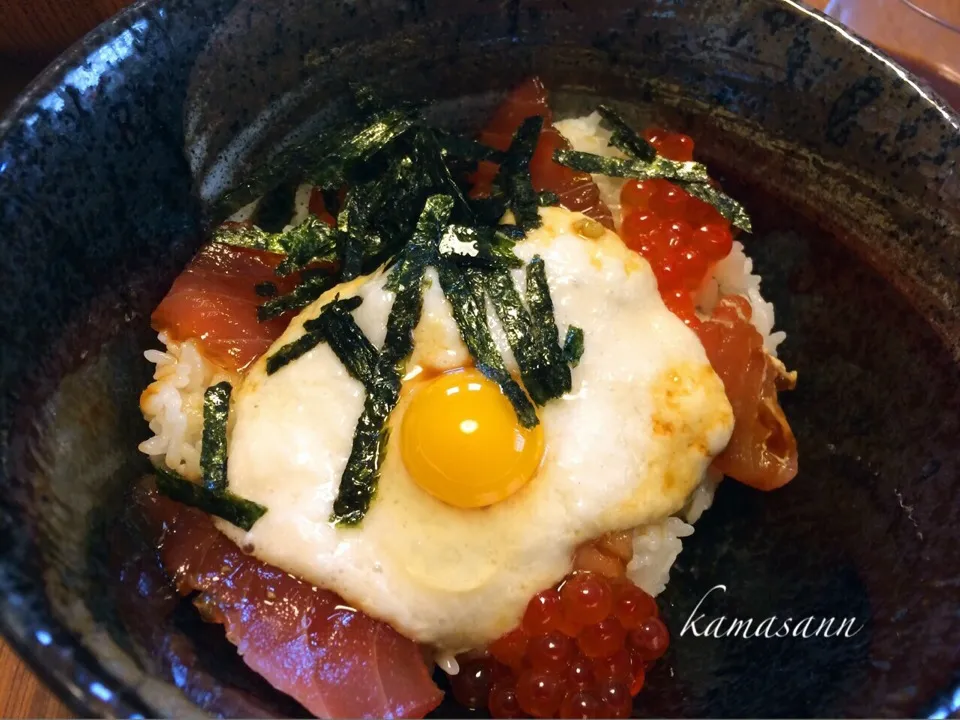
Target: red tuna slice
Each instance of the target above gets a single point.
(762, 451)
(306, 642)
(214, 301)
(575, 190)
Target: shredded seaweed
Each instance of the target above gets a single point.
(328, 160)
(350, 254)
(312, 241)
(247, 236)
(632, 144)
(626, 138)
(431, 159)
(464, 289)
(312, 287)
(213, 450)
(337, 167)
(545, 329)
(293, 350)
(513, 178)
(725, 205)
(359, 481)
(212, 495)
(544, 374)
(285, 166)
(573, 346)
(660, 167)
(235, 510)
(336, 325)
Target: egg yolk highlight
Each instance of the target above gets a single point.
(461, 441)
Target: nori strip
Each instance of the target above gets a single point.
(337, 167)
(545, 325)
(310, 241)
(301, 296)
(660, 167)
(359, 481)
(293, 350)
(326, 160)
(247, 236)
(336, 325)
(625, 138)
(464, 290)
(725, 205)
(430, 158)
(285, 166)
(513, 178)
(376, 219)
(631, 143)
(534, 358)
(213, 449)
(350, 254)
(235, 510)
(573, 346)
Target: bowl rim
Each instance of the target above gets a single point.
(59, 671)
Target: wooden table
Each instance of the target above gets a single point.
(21, 694)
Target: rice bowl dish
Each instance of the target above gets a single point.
(499, 474)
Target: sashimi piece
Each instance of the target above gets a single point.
(762, 451)
(214, 301)
(305, 641)
(576, 190)
(526, 100)
(147, 605)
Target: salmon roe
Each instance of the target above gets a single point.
(681, 236)
(581, 651)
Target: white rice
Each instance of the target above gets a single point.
(301, 205)
(173, 403)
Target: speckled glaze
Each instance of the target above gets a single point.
(850, 169)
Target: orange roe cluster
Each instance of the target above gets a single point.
(681, 236)
(581, 651)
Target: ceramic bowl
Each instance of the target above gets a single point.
(110, 159)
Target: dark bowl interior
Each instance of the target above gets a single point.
(850, 169)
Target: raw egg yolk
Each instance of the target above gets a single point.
(461, 441)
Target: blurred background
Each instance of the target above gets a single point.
(923, 35)
(33, 32)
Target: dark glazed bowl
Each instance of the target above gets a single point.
(107, 164)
